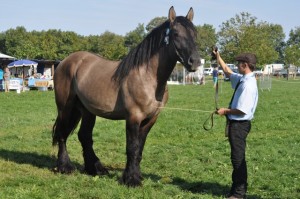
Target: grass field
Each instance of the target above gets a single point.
(181, 160)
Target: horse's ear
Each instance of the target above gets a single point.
(172, 14)
(190, 14)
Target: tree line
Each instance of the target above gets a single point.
(242, 33)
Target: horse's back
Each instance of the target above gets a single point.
(87, 77)
(83, 64)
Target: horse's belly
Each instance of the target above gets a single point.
(103, 106)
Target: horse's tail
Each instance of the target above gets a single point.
(54, 133)
(66, 100)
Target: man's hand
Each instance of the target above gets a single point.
(222, 111)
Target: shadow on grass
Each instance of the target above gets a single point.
(210, 188)
(43, 161)
(34, 159)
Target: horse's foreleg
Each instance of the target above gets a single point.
(92, 164)
(131, 175)
(145, 129)
(136, 135)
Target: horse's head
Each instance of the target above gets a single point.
(182, 35)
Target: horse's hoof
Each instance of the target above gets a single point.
(95, 169)
(64, 169)
(100, 170)
(131, 181)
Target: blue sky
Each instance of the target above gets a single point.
(94, 17)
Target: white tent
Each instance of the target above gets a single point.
(4, 56)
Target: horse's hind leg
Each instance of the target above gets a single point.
(65, 123)
(92, 163)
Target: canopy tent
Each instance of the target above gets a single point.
(21, 63)
(4, 56)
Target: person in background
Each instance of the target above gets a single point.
(239, 115)
(1, 80)
(215, 76)
(6, 79)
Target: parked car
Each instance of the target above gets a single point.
(282, 72)
(277, 72)
(258, 72)
(232, 66)
(208, 71)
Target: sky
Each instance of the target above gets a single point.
(94, 17)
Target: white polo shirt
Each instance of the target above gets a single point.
(246, 96)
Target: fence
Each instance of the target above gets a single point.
(265, 82)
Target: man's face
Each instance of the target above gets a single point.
(241, 67)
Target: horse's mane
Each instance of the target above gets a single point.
(147, 48)
(142, 52)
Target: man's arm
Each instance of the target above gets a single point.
(224, 66)
(227, 111)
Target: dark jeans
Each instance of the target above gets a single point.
(238, 131)
(1, 84)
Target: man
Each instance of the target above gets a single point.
(239, 114)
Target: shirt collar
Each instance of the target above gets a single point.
(247, 76)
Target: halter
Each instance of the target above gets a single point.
(167, 41)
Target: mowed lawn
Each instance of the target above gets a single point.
(180, 159)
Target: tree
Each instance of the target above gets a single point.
(68, 42)
(133, 38)
(206, 38)
(292, 50)
(294, 36)
(20, 43)
(108, 45)
(155, 22)
(244, 34)
(49, 45)
(277, 36)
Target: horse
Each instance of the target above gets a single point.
(133, 89)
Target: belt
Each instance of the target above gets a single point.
(238, 121)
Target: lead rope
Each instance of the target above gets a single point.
(211, 116)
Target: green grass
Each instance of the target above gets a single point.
(180, 160)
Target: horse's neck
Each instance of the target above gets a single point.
(163, 66)
(166, 63)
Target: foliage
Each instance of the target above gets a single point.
(133, 38)
(292, 51)
(155, 22)
(277, 36)
(206, 38)
(244, 34)
(180, 159)
(108, 45)
(20, 44)
(294, 36)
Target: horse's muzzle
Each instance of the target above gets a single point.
(193, 63)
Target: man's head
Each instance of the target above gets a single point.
(248, 58)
